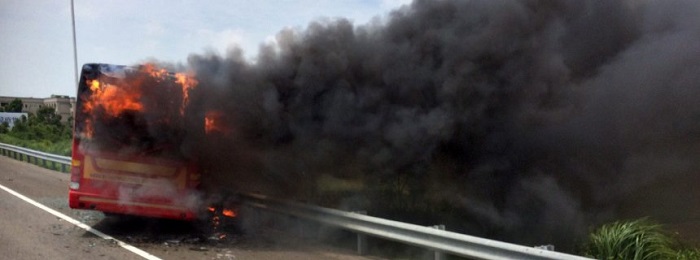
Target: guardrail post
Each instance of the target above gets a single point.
(299, 223)
(438, 255)
(547, 247)
(361, 244)
(361, 238)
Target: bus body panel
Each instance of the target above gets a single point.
(131, 184)
(153, 188)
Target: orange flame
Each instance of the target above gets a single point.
(213, 122)
(127, 96)
(89, 129)
(155, 72)
(113, 99)
(187, 83)
(229, 213)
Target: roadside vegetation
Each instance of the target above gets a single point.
(42, 131)
(640, 239)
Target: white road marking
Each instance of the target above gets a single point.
(82, 225)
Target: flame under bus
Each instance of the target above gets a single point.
(126, 147)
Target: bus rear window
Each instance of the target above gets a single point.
(132, 110)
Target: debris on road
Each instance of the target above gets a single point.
(199, 248)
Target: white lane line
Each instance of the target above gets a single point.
(82, 225)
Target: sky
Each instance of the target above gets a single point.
(36, 51)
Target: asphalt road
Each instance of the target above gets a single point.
(28, 232)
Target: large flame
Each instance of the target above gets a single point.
(114, 100)
(117, 97)
(187, 82)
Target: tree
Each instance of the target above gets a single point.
(48, 115)
(14, 106)
(4, 127)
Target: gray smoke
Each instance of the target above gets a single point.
(527, 121)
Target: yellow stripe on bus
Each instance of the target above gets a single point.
(134, 167)
(121, 171)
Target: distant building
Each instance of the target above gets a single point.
(62, 105)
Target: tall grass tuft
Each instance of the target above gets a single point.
(634, 240)
(688, 254)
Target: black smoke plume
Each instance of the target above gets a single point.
(522, 120)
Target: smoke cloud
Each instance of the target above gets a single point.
(527, 121)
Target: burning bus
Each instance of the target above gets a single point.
(127, 155)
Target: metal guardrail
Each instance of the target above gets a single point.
(431, 238)
(46, 160)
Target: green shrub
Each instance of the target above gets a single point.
(60, 147)
(635, 240)
(42, 131)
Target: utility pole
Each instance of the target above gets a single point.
(75, 47)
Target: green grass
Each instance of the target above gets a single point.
(639, 239)
(688, 254)
(61, 147)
